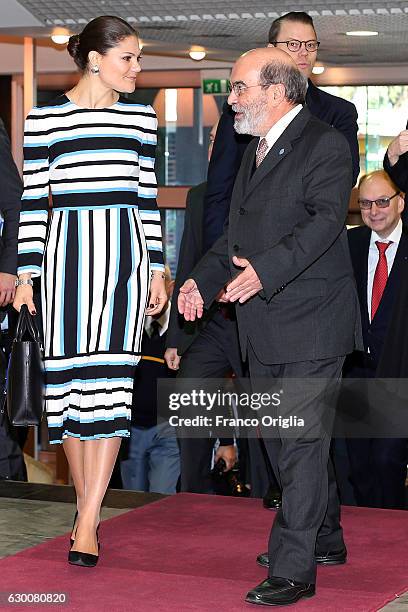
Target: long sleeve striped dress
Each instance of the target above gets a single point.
(94, 252)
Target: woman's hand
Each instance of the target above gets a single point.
(158, 295)
(24, 295)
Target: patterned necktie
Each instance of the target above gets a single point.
(261, 151)
(380, 277)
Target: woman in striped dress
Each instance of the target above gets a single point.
(99, 256)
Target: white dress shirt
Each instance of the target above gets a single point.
(280, 126)
(373, 255)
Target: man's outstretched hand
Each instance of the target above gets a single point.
(245, 285)
(190, 303)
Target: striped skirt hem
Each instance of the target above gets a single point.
(89, 401)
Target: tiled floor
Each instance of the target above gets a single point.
(25, 522)
(31, 514)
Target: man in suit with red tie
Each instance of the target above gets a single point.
(379, 252)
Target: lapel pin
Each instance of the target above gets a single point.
(281, 152)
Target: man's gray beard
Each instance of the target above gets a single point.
(244, 126)
(250, 122)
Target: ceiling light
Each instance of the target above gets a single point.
(60, 36)
(197, 54)
(318, 69)
(362, 33)
(60, 39)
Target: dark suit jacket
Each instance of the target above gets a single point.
(229, 148)
(376, 332)
(387, 335)
(181, 333)
(10, 202)
(399, 174)
(288, 218)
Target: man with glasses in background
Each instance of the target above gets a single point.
(295, 34)
(379, 253)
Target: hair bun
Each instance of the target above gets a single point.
(73, 45)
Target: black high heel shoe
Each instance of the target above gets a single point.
(73, 525)
(75, 557)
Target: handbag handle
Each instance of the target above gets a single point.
(26, 324)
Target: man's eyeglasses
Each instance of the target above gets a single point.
(380, 203)
(239, 87)
(296, 45)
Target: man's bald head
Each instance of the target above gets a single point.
(271, 66)
(259, 57)
(266, 84)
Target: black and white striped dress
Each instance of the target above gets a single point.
(94, 254)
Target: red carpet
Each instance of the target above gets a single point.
(194, 552)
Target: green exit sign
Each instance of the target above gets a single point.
(215, 86)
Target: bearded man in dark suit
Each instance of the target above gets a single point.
(295, 34)
(284, 260)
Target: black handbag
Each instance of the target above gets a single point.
(25, 378)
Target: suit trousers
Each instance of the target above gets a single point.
(214, 353)
(309, 519)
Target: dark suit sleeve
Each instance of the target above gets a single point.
(189, 255)
(10, 202)
(398, 172)
(327, 186)
(213, 272)
(226, 158)
(346, 123)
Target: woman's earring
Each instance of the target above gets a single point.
(95, 69)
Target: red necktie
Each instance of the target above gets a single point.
(380, 277)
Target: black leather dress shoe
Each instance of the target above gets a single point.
(273, 499)
(75, 557)
(279, 592)
(332, 557)
(263, 559)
